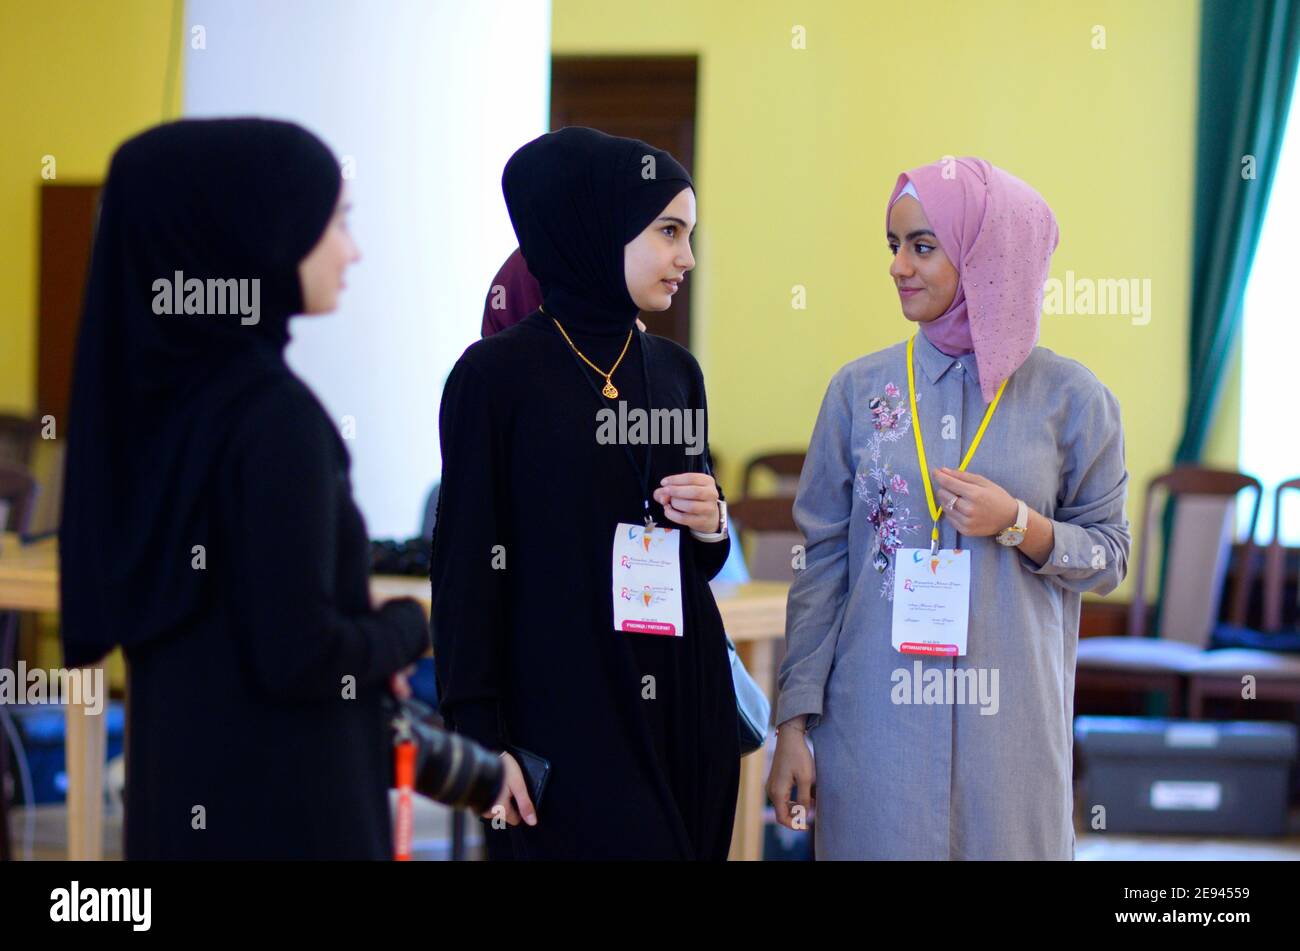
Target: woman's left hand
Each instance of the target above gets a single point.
(982, 507)
(690, 499)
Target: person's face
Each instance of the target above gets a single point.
(321, 271)
(656, 261)
(925, 278)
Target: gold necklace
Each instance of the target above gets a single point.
(610, 390)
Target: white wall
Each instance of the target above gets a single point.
(429, 97)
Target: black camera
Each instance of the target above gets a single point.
(449, 768)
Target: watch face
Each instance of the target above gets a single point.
(1011, 539)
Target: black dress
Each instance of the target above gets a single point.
(527, 653)
(207, 521)
(244, 739)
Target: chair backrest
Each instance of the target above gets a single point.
(771, 556)
(18, 497)
(1274, 563)
(785, 466)
(767, 529)
(1200, 547)
(18, 434)
(766, 522)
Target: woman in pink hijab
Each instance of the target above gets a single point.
(962, 489)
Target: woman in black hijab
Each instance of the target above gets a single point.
(208, 522)
(640, 729)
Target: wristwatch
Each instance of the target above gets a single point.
(1013, 535)
(721, 533)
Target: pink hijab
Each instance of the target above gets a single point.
(1000, 234)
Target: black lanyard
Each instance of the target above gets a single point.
(643, 476)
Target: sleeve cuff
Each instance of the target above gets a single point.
(1072, 552)
(711, 537)
(806, 701)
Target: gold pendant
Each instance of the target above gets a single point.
(610, 391)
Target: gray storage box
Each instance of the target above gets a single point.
(1186, 776)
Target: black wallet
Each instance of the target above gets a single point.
(536, 770)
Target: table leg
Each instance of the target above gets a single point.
(87, 739)
(747, 833)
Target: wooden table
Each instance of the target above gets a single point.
(754, 616)
(29, 581)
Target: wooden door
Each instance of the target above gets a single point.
(651, 98)
(67, 226)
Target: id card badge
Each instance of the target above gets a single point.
(931, 601)
(647, 580)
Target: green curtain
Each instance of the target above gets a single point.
(1248, 66)
(1248, 60)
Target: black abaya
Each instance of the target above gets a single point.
(529, 654)
(245, 710)
(525, 644)
(208, 526)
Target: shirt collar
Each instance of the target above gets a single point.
(935, 363)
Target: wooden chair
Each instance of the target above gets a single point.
(1274, 563)
(785, 466)
(18, 435)
(1199, 549)
(765, 523)
(765, 526)
(1219, 673)
(18, 495)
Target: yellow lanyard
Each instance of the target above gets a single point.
(937, 510)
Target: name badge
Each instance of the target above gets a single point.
(931, 601)
(647, 580)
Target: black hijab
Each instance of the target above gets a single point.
(156, 395)
(576, 197)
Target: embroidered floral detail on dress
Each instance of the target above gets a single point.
(881, 488)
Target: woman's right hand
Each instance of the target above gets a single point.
(513, 801)
(792, 766)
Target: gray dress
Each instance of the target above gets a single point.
(949, 757)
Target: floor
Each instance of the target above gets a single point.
(432, 842)
(49, 832)
(1113, 847)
